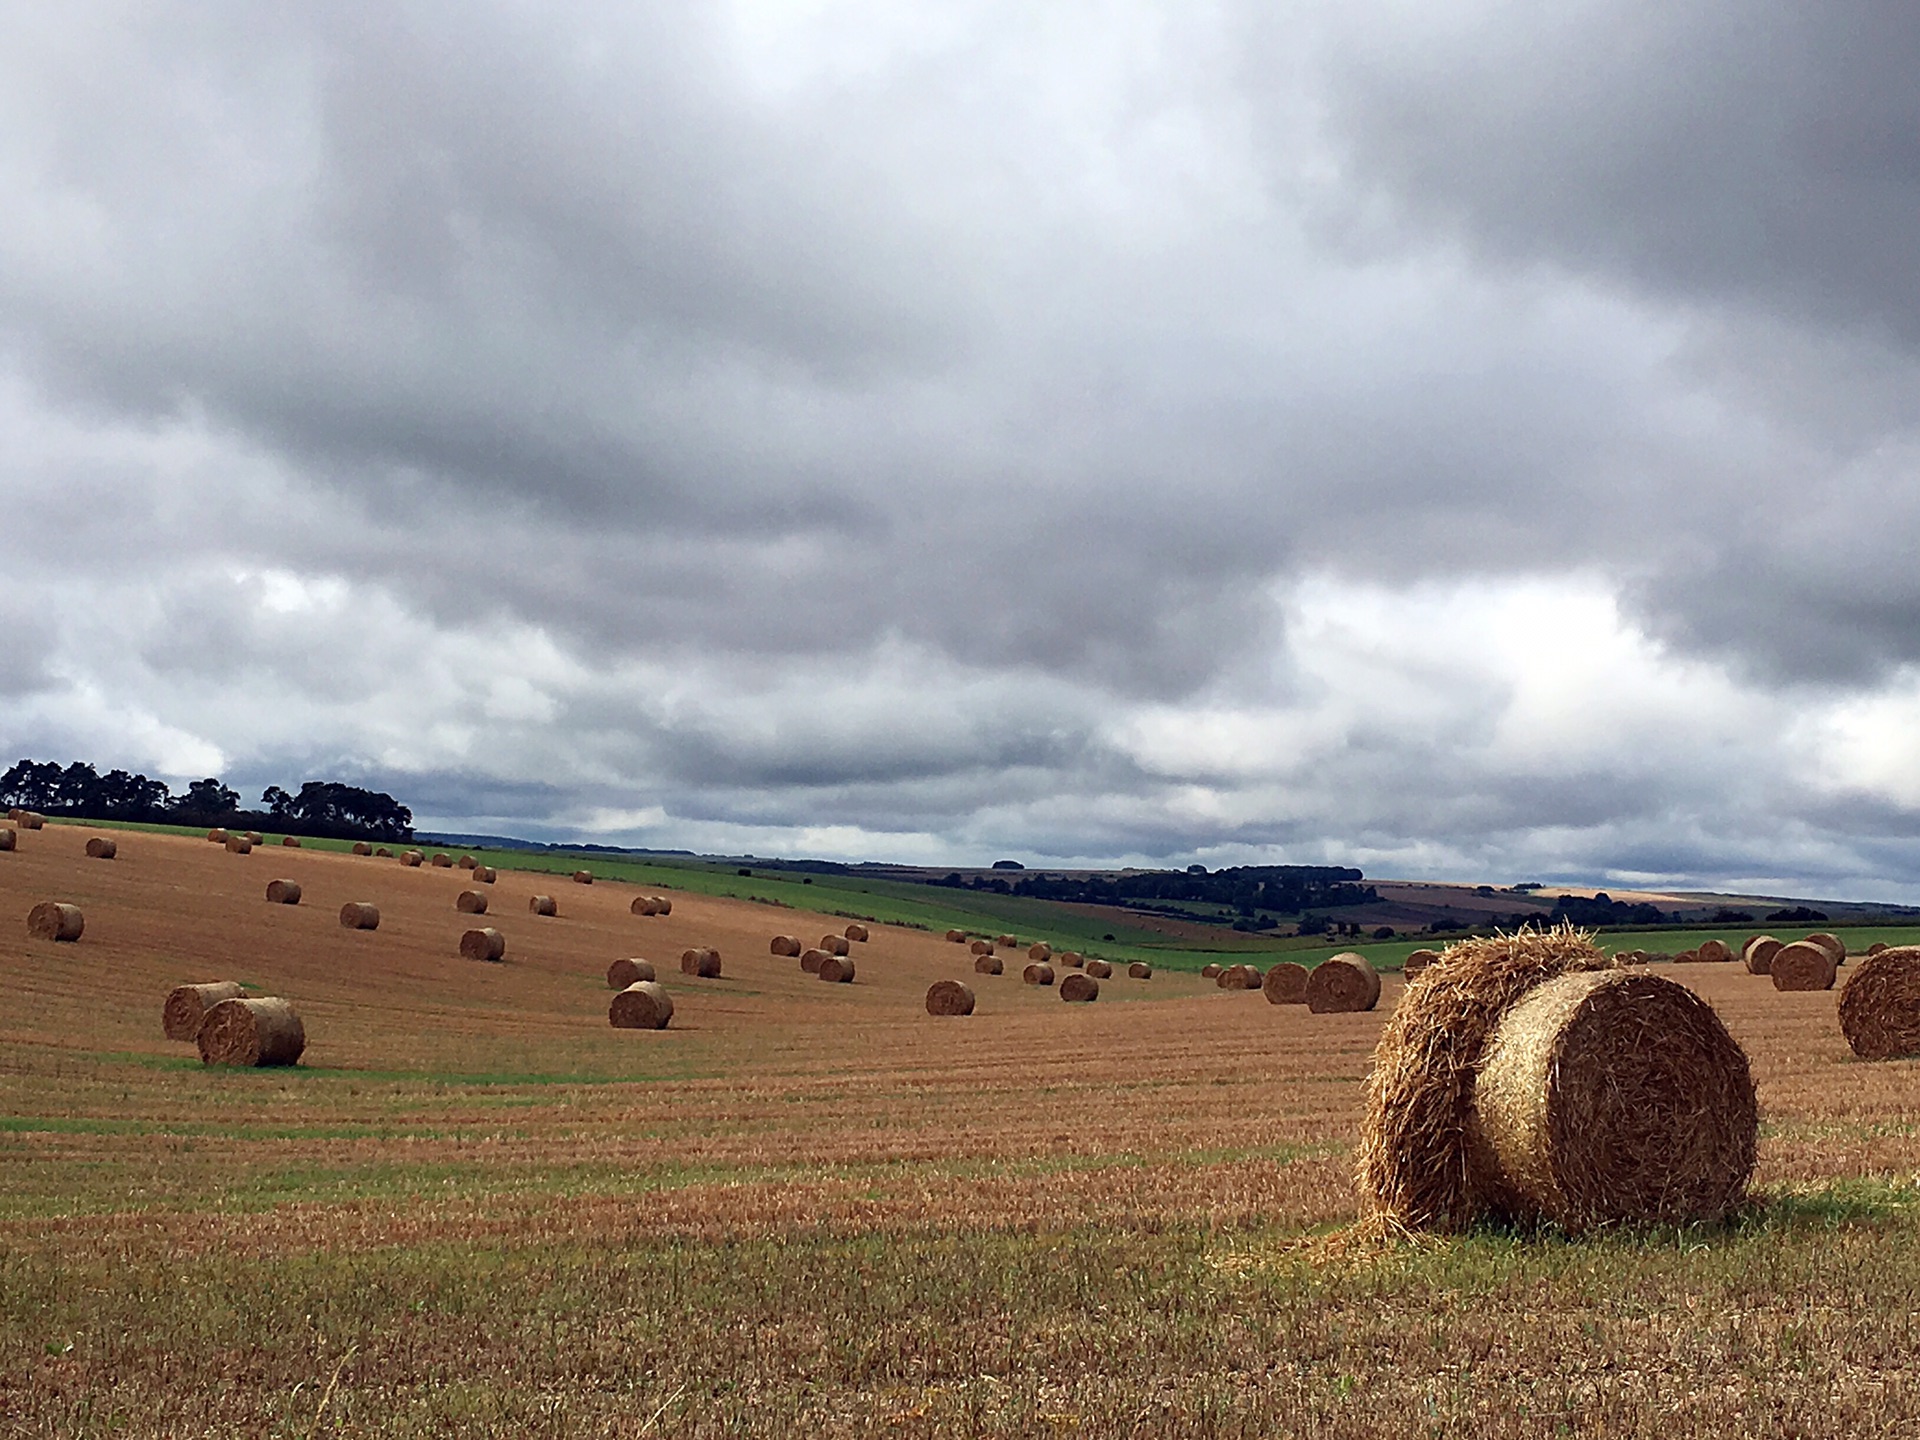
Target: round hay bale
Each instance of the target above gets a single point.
(485, 874)
(1802, 965)
(218, 837)
(359, 915)
(1759, 954)
(239, 845)
(1238, 977)
(835, 945)
(1832, 944)
(101, 848)
(1211, 971)
(254, 837)
(466, 862)
(1342, 984)
(786, 946)
(1879, 947)
(1614, 1096)
(981, 947)
(266, 1031)
(1880, 1004)
(1040, 950)
(643, 1005)
(412, 859)
(1417, 961)
(988, 965)
(9, 838)
(1687, 957)
(958, 937)
(1414, 1166)
(1079, 988)
(471, 902)
(1285, 984)
(543, 905)
(1072, 959)
(52, 920)
(622, 973)
(702, 961)
(283, 892)
(583, 877)
(857, 933)
(1012, 942)
(187, 1005)
(1038, 973)
(290, 842)
(442, 860)
(1140, 970)
(641, 905)
(1099, 969)
(382, 853)
(360, 847)
(812, 958)
(31, 820)
(1714, 952)
(949, 997)
(662, 905)
(837, 970)
(485, 943)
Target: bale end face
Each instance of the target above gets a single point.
(643, 1005)
(1880, 1005)
(949, 997)
(1802, 965)
(1285, 984)
(988, 965)
(1759, 953)
(1037, 973)
(622, 973)
(251, 1032)
(1342, 985)
(1079, 988)
(187, 1005)
(54, 920)
(359, 915)
(1714, 952)
(283, 892)
(485, 943)
(101, 848)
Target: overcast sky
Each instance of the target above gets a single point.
(1463, 440)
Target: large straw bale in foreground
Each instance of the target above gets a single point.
(1286, 984)
(283, 892)
(187, 1005)
(643, 1005)
(1343, 984)
(1880, 1005)
(360, 915)
(55, 920)
(625, 972)
(1613, 1096)
(484, 943)
(266, 1031)
(1802, 965)
(949, 997)
(1413, 1152)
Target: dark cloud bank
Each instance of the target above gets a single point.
(1453, 440)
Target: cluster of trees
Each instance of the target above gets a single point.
(320, 808)
(1248, 889)
(1603, 909)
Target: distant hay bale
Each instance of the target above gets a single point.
(1879, 947)
(9, 838)
(949, 997)
(53, 920)
(662, 905)
(958, 937)
(239, 845)
(857, 932)
(101, 848)
(702, 961)
(1832, 944)
(1038, 973)
(835, 945)
(485, 943)
(1079, 988)
(981, 947)
(283, 892)
(1415, 962)
(31, 820)
(1714, 952)
(622, 973)
(266, 1031)
(1759, 954)
(290, 842)
(643, 1005)
(1072, 959)
(471, 902)
(442, 860)
(359, 915)
(1211, 971)
(1140, 970)
(1802, 965)
(1687, 957)
(1099, 969)
(187, 1005)
(1613, 1096)
(837, 970)
(466, 862)
(1040, 950)
(583, 877)
(642, 905)
(1285, 984)
(1012, 942)
(383, 853)
(988, 965)
(812, 958)
(786, 946)
(485, 874)
(1414, 1164)
(1239, 977)
(1342, 984)
(1880, 1004)
(412, 859)
(254, 837)
(360, 847)
(218, 837)
(543, 905)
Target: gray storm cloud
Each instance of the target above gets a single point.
(1441, 437)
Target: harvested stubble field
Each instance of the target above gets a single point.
(811, 1209)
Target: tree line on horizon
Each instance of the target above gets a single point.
(324, 809)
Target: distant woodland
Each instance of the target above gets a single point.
(321, 808)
